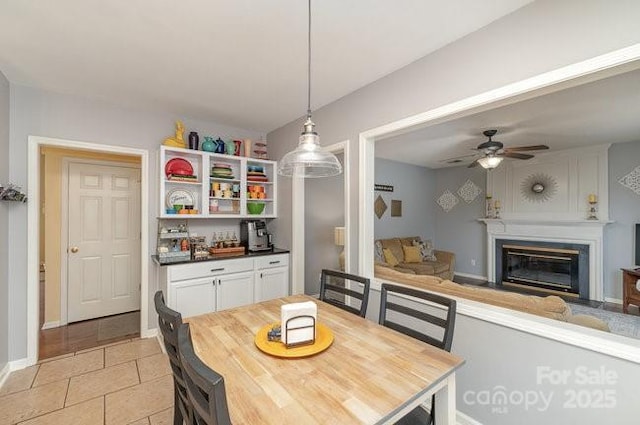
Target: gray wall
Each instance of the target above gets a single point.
(4, 221)
(508, 361)
(40, 113)
(624, 211)
(459, 230)
(414, 186)
(324, 206)
(540, 37)
(543, 36)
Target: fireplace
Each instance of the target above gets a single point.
(549, 266)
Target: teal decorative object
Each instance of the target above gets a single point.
(208, 145)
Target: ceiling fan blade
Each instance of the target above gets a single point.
(526, 148)
(516, 155)
(456, 158)
(473, 164)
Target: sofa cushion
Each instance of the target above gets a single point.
(394, 246)
(390, 258)
(411, 254)
(419, 268)
(426, 250)
(589, 321)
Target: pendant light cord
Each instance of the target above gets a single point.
(309, 65)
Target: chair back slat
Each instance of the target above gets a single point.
(205, 386)
(169, 321)
(418, 322)
(353, 288)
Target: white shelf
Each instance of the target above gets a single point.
(202, 162)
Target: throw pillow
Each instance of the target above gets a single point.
(412, 254)
(426, 250)
(389, 258)
(378, 252)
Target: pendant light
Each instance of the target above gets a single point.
(309, 159)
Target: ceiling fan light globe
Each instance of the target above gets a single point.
(490, 162)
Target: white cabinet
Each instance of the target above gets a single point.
(198, 180)
(203, 287)
(193, 297)
(272, 277)
(234, 290)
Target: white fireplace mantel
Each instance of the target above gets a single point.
(586, 232)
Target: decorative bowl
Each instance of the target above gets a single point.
(255, 207)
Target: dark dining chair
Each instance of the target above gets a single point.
(336, 287)
(433, 324)
(169, 321)
(205, 386)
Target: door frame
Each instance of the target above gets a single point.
(64, 218)
(33, 230)
(298, 223)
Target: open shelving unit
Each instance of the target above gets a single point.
(202, 179)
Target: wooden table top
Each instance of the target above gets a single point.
(369, 372)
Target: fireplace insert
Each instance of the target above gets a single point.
(551, 267)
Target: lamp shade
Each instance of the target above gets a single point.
(309, 159)
(338, 236)
(490, 161)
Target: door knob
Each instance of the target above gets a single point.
(75, 249)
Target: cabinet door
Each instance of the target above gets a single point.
(193, 297)
(234, 290)
(272, 283)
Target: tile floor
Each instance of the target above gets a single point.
(128, 382)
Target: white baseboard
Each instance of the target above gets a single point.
(471, 276)
(149, 333)
(462, 419)
(4, 374)
(613, 300)
(51, 325)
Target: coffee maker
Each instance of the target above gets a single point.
(254, 235)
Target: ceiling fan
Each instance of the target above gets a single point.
(493, 152)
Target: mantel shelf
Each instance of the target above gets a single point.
(540, 222)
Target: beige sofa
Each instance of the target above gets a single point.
(552, 306)
(443, 267)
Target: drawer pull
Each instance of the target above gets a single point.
(274, 262)
(221, 269)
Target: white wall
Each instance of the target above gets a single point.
(5, 207)
(40, 113)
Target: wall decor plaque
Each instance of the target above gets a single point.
(383, 187)
(447, 201)
(379, 206)
(396, 208)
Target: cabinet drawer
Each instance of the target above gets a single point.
(269, 261)
(209, 268)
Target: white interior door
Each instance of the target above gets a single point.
(103, 255)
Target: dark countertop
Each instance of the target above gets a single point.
(272, 251)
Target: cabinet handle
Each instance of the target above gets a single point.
(274, 262)
(221, 269)
(214, 282)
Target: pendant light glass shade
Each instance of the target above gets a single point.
(490, 161)
(309, 159)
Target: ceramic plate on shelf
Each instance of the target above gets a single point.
(179, 197)
(178, 167)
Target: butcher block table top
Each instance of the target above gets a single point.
(369, 375)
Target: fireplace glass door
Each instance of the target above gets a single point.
(547, 268)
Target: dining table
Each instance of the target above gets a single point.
(369, 374)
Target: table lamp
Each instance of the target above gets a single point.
(338, 237)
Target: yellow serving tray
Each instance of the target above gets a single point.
(324, 339)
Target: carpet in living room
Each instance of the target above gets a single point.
(619, 323)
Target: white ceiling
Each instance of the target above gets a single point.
(599, 112)
(236, 62)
